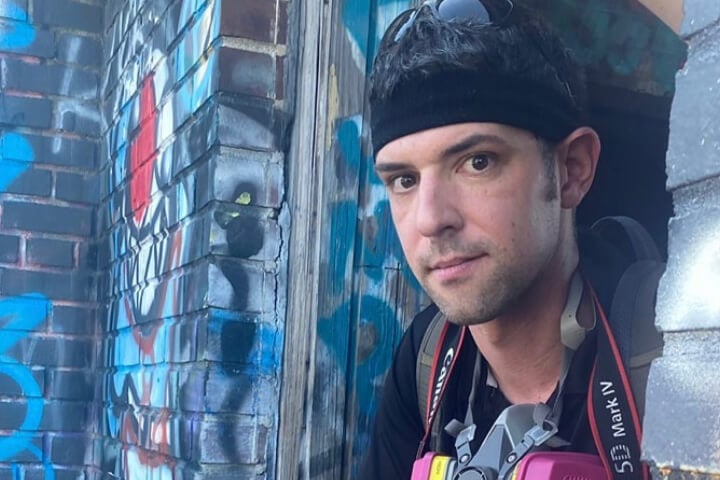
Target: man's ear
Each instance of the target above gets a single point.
(579, 154)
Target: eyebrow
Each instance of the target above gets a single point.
(472, 141)
(461, 146)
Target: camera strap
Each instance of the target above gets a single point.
(612, 412)
(443, 364)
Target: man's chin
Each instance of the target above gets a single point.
(470, 315)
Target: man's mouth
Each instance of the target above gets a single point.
(453, 269)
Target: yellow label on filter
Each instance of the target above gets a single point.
(439, 468)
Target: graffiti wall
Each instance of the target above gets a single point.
(192, 225)
(49, 129)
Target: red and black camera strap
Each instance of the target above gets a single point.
(444, 361)
(612, 412)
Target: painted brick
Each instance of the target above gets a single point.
(72, 286)
(282, 26)
(253, 19)
(64, 152)
(72, 320)
(14, 9)
(25, 111)
(32, 182)
(9, 248)
(220, 472)
(247, 123)
(69, 14)
(248, 178)
(9, 386)
(77, 188)
(49, 79)
(88, 256)
(54, 253)
(71, 385)
(243, 232)
(13, 414)
(246, 72)
(79, 49)
(64, 416)
(68, 450)
(280, 78)
(237, 286)
(43, 45)
(59, 474)
(47, 218)
(25, 456)
(53, 352)
(79, 117)
(7, 472)
(226, 440)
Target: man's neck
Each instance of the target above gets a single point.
(524, 348)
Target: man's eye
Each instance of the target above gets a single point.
(402, 183)
(478, 163)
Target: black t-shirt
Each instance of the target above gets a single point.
(399, 427)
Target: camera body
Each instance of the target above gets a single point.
(515, 448)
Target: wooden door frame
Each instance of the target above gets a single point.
(305, 171)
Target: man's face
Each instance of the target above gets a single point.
(477, 212)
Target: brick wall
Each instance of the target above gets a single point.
(681, 422)
(192, 232)
(50, 61)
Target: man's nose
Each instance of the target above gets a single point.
(436, 208)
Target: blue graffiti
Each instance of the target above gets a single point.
(362, 331)
(18, 317)
(15, 35)
(365, 21)
(16, 154)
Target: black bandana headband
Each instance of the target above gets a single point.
(446, 98)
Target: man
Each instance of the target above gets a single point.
(479, 136)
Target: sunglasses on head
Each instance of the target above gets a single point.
(484, 12)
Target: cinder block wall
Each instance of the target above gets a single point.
(683, 400)
(50, 63)
(193, 228)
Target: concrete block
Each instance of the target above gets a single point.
(247, 72)
(694, 141)
(244, 232)
(688, 295)
(698, 14)
(683, 400)
(248, 123)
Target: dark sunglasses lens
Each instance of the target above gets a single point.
(483, 11)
